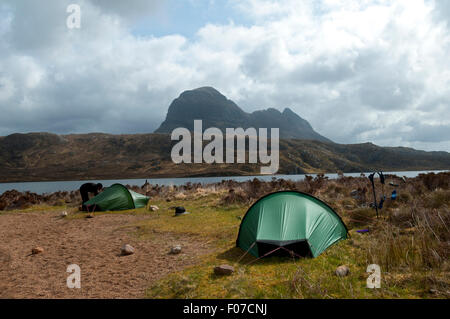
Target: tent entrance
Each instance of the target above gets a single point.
(299, 248)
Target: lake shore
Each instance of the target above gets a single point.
(47, 187)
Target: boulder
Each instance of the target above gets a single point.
(175, 250)
(342, 271)
(63, 214)
(127, 250)
(154, 208)
(223, 270)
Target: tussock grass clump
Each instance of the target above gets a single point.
(437, 199)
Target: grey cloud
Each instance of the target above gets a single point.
(442, 11)
(130, 10)
(383, 81)
(428, 133)
(37, 24)
(320, 70)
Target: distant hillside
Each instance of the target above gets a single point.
(44, 156)
(216, 110)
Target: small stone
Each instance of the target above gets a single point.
(90, 216)
(433, 291)
(223, 270)
(342, 271)
(63, 214)
(154, 208)
(127, 250)
(37, 250)
(175, 250)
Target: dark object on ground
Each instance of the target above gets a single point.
(180, 211)
(87, 188)
(380, 205)
(223, 270)
(394, 194)
(362, 231)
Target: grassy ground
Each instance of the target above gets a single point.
(410, 242)
(273, 277)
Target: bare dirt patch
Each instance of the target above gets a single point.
(93, 244)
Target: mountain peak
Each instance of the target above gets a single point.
(209, 90)
(211, 106)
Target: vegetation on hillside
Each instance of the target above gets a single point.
(45, 157)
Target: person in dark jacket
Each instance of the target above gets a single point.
(87, 188)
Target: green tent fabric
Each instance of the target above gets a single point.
(117, 197)
(293, 220)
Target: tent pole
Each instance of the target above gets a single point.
(371, 176)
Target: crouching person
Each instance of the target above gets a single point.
(87, 188)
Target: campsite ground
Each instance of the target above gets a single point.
(410, 243)
(93, 244)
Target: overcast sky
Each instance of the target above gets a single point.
(357, 70)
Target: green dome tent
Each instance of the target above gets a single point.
(290, 221)
(117, 197)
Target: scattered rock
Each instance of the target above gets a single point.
(175, 250)
(223, 270)
(342, 271)
(127, 250)
(154, 208)
(37, 250)
(63, 214)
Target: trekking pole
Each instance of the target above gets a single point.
(374, 195)
(382, 182)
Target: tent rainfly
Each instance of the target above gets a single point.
(290, 222)
(117, 197)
